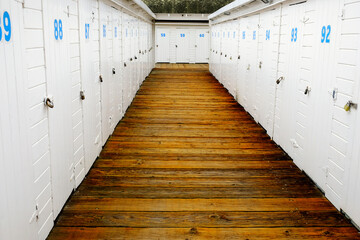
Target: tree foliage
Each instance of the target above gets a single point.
(186, 6)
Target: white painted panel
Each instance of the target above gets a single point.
(267, 60)
(106, 52)
(57, 42)
(182, 46)
(89, 41)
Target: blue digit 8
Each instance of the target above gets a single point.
(61, 34)
(7, 26)
(56, 29)
(323, 32)
(328, 34)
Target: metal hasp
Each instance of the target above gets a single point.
(307, 90)
(100, 78)
(279, 80)
(350, 105)
(260, 64)
(113, 71)
(82, 95)
(48, 102)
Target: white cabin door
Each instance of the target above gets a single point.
(202, 46)
(182, 46)
(162, 45)
(266, 67)
(90, 72)
(59, 90)
(106, 69)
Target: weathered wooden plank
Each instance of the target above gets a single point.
(319, 233)
(86, 218)
(272, 191)
(200, 205)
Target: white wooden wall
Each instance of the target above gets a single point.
(182, 44)
(56, 49)
(312, 48)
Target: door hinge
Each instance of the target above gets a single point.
(35, 215)
(101, 78)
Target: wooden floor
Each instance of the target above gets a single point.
(187, 162)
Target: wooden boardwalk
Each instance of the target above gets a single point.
(187, 162)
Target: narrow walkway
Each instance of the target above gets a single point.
(187, 162)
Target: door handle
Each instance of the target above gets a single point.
(100, 78)
(176, 46)
(260, 64)
(131, 59)
(124, 64)
(279, 80)
(48, 102)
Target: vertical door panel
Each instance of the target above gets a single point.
(106, 69)
(59, 89)
(266, 67)
(90, 72)
(182, 46)
(202, 46)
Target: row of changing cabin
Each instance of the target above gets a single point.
(295, 67)
(69, 70)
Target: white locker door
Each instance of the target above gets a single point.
(267, 67)
(162, 45)
(90, 72)
(182, 46)
(288, 74)
(202, 46)
(106, 69)
(222, 62)
(352, 181)
(20, 166)
(117, 67)
(233, 52)
(59, 90)
(252, 65)
(126, 59)
(343, 124)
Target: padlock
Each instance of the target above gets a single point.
(347, 106)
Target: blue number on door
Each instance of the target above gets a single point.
(202, 35)
(104, 31)
(234, 35)
(325, 35)
(163, 35)
(7, 27)
(254, 35)
(244, 34)
(182, 35)
(61, 34)
(87, 30)
(56, 29)
(267, 34)
(115, 32)
(294, 33)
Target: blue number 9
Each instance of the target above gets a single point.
(56, 30)
(7, 26)
(323, 32)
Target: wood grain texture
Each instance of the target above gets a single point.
(187, 162)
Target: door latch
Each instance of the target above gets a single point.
(49, 102)
(82, 95)
(350, 105)
(100, 78)
(307, 90)
(260, 64)
(279, 80)
(113, 71)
